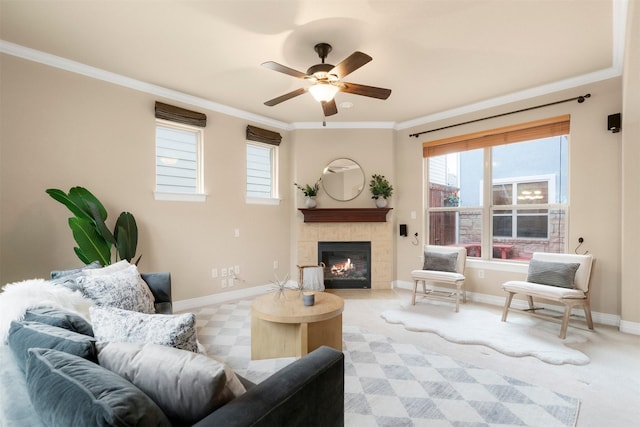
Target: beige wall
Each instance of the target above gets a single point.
(61, 129)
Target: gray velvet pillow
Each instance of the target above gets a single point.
(177, 330)
(185, 385)
(560, 274)
(26, 335)
(440, 262)
(60, 318)
(67, 390)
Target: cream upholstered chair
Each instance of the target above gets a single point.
(443, 265)
(556, 281)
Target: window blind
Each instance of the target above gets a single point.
(180, 115)
(544, 128)
(262, 135)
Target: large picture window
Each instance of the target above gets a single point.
(503, 194)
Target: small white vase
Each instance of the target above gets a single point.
(381, 202)
(310, 203)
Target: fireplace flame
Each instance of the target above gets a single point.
(342, 269)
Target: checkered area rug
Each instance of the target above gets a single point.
(393, 384)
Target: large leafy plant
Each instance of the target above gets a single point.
(95, 241)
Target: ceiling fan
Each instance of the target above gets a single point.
(326, 80)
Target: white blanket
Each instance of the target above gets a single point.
(18, 297)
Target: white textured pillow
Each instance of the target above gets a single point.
(185, 385)
(103, 271)
(121, 288)
(113, 324)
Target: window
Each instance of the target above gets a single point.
(261, 173)
(179, 173)
(521, 171)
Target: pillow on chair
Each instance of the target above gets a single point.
(440, 262)
(560, 274)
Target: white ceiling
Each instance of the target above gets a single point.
(436, 56)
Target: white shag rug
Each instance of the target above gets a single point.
(16, 298)
(521, 335)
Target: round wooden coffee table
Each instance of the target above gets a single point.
(281, 326)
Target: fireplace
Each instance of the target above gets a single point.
(347, 265)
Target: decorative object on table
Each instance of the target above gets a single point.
(90, 232)
(280, 286)
(308, 298)
(310, 193)
(452, 199)
(380, 189)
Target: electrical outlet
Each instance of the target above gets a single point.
(480, 274)
(223, 272)
(223, 283)
(236, 232)
(214, 273)
(275, 265)
(237, 269)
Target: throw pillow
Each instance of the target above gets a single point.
(550, 273)
(69, 278)
(67, 390)
(177, 330)
(26, 335)
(440, 262)
(60, 318)
(122, 288)
(185, 385)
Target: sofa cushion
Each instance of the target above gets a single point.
(177, 330)
(440, 262)
(69, 278)
(60, 318)
(67, 390)
(122, 288)
(549, 273)
(185, 385)
(26, 335)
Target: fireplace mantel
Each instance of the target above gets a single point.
(345, 215)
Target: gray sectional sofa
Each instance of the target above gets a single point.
(308, 392)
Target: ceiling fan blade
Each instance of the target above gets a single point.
(285, 97)
(350, 64)
(370, 91)
(329, 107)
(282, 69)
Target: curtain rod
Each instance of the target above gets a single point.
(580, 100)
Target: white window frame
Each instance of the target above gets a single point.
(199, 195)
(275, 197)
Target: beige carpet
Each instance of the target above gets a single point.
(521, 335)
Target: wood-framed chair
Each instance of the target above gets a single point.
(453, 277)
(577, 296)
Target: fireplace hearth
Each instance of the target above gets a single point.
(347, 265)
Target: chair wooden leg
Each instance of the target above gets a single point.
(464, 293)
(415, 289)
(507, 304)
(587, 315)
(530, 300)
(565, 322)
(458, 297)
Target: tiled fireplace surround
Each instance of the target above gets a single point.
(380, 234)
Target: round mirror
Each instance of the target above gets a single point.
(343, 179)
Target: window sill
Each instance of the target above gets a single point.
(178, 197)
(261, 201)
(495, 265)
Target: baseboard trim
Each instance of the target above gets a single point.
(601, 318)
(222, 297)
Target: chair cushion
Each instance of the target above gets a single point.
(436, 276)
(550, 273)
(26, 335)
(67, 390)
(176, 330)
(185, 385)
(542, 291)
(440, 261)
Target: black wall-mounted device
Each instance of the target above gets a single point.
(403, 230)
(614, 122)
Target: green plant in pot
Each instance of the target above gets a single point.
(380, 189)
(310, 193)
(95, 241)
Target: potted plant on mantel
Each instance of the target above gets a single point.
(310, 193)
(380, 189)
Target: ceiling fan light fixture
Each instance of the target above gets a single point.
(323, 91)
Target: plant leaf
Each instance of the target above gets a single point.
(70, 203)
(97, 219)
(90, 243)
(126, 236)
(83, 198)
